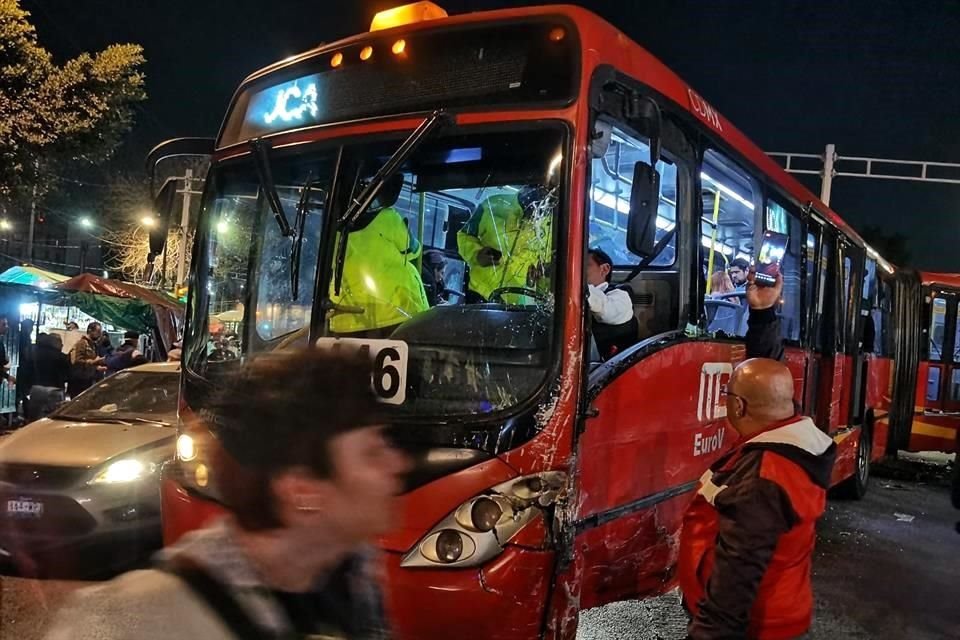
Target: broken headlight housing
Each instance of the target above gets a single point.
(478, 529)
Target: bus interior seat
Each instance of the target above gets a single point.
(654, 304)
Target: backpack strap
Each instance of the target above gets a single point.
(217, 598)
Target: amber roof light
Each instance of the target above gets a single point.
(406, 14)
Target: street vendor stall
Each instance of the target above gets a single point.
(31, 276)
(35, 301)
(124, 305)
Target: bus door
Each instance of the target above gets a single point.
(852, 264)
(818, 399)
(942, 390)
(635, 445)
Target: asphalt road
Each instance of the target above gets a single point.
(878, 573)
(887, 567)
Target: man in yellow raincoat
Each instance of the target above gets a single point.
(381, 286)
(507, 243)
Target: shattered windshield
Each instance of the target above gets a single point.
(448, 278)
(149, 395)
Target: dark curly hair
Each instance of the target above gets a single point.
(280, 411)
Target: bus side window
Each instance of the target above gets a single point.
(730, 203)
(611, 177)
(783, 220)
(823, 326)
(938, 315)
(869, 334)
(882, 319)
(810, 302)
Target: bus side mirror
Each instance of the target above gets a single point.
(165, 164)
(163, 205)
(644, 202)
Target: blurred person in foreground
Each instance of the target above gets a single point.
(746, 548)
(304, 494)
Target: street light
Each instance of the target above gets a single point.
(5, 225)
(148, 221)
(86, 222)
(223, 226)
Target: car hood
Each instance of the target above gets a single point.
(71, 443)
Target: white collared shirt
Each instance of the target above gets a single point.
(609, 306)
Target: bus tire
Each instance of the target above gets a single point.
(855, 487)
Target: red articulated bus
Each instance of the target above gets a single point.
(548, 480)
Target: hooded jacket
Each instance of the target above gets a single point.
(523, 240)
(155, 604)
(747, 544)
(380, 277)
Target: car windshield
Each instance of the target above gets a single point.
(448, 277)
(138, 396)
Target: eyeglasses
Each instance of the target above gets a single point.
(725, 392)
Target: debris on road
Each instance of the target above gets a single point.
(903, 517)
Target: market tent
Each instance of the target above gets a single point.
(124, 305)
(31, 276)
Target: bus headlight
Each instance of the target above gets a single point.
(478, 530)
(186, 448)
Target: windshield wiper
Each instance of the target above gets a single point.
(261, 160)
(149, 421)
(363, 201)
(93, 418)
(298, 225)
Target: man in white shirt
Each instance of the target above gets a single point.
(615, 326)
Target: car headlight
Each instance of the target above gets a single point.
(478, 529)
(126, 470)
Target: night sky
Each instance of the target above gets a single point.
(875, 77)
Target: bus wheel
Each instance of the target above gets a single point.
(855, 487)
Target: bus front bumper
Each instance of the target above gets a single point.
(505, 598)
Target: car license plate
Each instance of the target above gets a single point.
(389, 364)
(24, 508)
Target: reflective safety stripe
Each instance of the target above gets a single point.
(934, 431)
(708, 489)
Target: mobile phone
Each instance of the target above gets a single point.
(772, 249)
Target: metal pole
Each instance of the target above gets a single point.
(33, 218)
(184, 224)
(420, 223)
(713, 239)
(163, 265)
(829, 157)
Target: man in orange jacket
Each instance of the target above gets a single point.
(747, 543)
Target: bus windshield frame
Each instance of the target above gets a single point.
(337, 152)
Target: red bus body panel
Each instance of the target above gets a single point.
(183, 512)
(932, 430)
(660, 424)
(879, 396)
(506, 598)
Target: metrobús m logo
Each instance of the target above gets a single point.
(713, 377)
